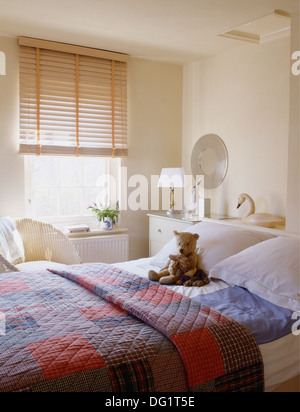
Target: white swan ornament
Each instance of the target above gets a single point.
(258, 219)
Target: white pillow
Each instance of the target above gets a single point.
(161, 258)
(269, 269)
(216, 242)
(40, 266)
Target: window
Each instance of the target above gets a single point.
(60, 189)
(73, 123)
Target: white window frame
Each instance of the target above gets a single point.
(65, 220)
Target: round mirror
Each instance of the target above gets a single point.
(210, 158)
(208, 161)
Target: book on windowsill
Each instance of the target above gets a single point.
(78, 228)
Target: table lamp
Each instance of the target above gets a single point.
(171, 177)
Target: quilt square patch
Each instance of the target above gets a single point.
(158, 295)
(95, 313)
(89, 282)
(201, 355)
(13, 286)
(65, 355)
(132, 377)
(49, 295)
(17, 369)
(21, 323)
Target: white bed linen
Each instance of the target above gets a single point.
(142, 266)
(281, 357)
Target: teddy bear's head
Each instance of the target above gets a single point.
(186, 242)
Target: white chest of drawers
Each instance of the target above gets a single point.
(161, 228)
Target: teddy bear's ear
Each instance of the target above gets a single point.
(175, 232)
(196, 236)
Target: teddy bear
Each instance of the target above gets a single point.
(194, 277)
(182, 267)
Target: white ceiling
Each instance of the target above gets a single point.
(177, 31)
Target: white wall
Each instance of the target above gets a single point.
(12, 201)
(293, 191)
(155, 124)
(243, 96)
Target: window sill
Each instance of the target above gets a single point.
(94, 232)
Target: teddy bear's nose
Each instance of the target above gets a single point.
(181, 250)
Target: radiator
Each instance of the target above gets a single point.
(104, 249)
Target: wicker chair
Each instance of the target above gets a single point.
(42, 242)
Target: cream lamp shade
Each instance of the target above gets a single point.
(171, 178)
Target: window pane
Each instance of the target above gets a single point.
(92, 169)
(45, 172)
(70, 202)
(90, 196)
(46, 202)
(66, 186)
(70, 172)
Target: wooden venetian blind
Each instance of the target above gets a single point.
(73, 100)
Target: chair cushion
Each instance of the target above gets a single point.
(11, 245)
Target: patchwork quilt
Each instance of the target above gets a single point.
(98, 328)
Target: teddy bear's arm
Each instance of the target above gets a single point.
(167, 265)
(193, 258)
(175, 258)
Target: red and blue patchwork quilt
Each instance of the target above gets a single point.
(98, 328)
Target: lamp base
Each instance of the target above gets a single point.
(173, 212)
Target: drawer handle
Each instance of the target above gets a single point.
(159, 230)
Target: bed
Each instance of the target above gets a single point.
(107, 328)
